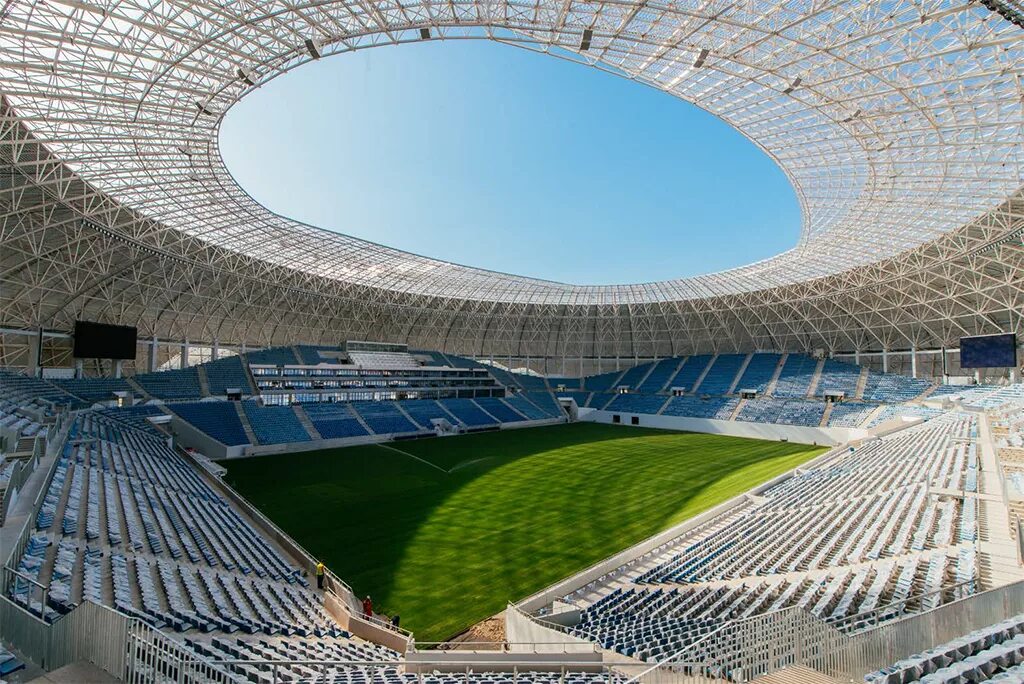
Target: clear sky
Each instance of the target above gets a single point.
(500, 158)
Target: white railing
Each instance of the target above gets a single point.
(89, 632)
(752, 647)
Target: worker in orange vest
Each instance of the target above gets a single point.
(320, 567)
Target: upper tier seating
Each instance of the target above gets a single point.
(226, 374)
(277, 356)
(384, 417)
(274, 424)
(837, 376)
(759, 372)
(659, 376)
(531, 382)
(172, 385)
(719, 408)
(636, 403)
(434, 358)
(602, 382)
(690, 372)
(504, 377)
(334, 421)
(25, 390)
(218, 419)
(384, 360)
(463, 362)
(92, 390)
(310, 355)
(795, 376)
(467, 412)
(633, 376)
(893, 388)
(722, 374)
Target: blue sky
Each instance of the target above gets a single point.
(496, 157)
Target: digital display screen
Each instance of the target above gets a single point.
(102, 341)
(989, 351)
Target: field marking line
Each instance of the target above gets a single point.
(406, 453)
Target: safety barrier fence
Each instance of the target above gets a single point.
(752, 647)
(89, 632)
(22, 470)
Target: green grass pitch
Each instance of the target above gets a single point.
(447, 540)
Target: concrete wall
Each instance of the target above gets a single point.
(524, 634)
(185, 434)
(315, 445)
(826, 436)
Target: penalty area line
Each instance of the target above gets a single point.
(406, 453)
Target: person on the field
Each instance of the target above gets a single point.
(320, 575)
(367, 607)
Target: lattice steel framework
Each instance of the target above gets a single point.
(900, 125)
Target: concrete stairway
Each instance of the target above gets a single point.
(815, 379)
(204, 382)
(642, 380)
(249, 434)
(769, 389)
(306, 423)
(862, 382)
(704, 374)
(672, 375)
(736, 411)
(826, 415)
(401, 409)
(739, 374)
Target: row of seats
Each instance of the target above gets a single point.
(861, 532)
(993, 653)
(274, 424)
(218, 419)
(782, 412)
(118, 493)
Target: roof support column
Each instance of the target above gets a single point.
(35, 353)
(184, 355)
(153, 355)
(885, 360)
(913, 361)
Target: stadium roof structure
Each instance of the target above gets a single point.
(899, 124)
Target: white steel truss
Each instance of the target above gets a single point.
(900, 125)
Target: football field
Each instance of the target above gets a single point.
(446, 531)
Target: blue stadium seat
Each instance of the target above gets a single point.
(218, 419)
(274, 424)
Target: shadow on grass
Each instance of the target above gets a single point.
(446, 550)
